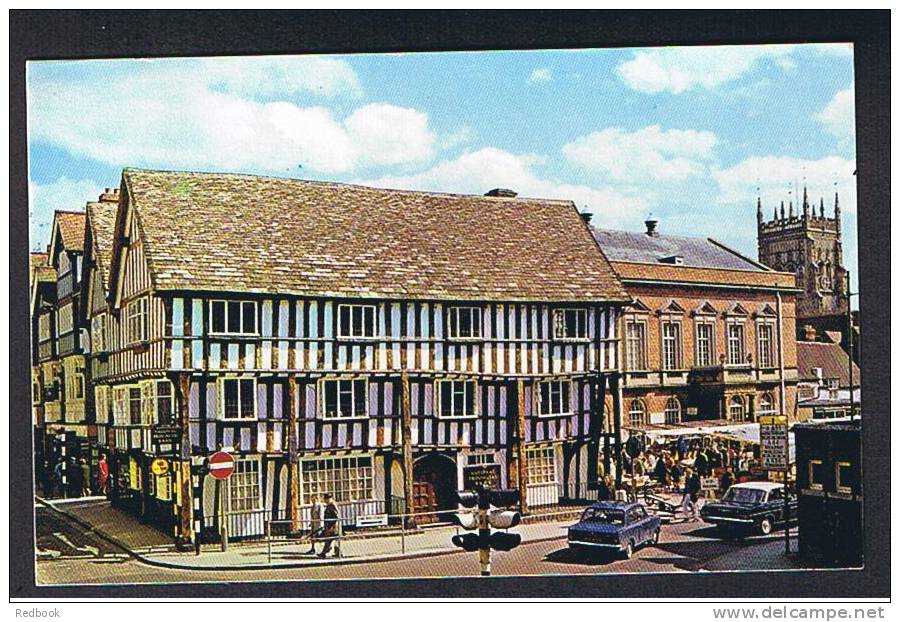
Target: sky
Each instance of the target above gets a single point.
(690, 135)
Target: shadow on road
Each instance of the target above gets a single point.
(568, 556)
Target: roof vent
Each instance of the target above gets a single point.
(676, 260)
(651, 227)
(505, 193)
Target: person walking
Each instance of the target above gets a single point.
(102, 475)
(315, 523)
(691, 498)
(605, 489)
(331, 532)
(85, 469)
(726, 481)
(58, 484)
(701, 463)
(661, 471)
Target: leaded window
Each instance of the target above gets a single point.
(555, 398)
(541, 465)
(348, 478)
(343, 399)
(456, 398)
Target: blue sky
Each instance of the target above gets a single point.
(687, 134)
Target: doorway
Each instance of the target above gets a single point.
(434, 486)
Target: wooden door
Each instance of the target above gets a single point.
(424, 500)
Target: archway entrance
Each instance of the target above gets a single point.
(434, 486)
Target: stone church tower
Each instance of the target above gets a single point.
(809, 245)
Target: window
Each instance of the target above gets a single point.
(346, 479)
(64, 320)
(356, 321)
(736, 408)
(237, 397)
(554, 398)
(136, 321)
(157, 402)
(456, 398)
(232, 317)
(671, 336)
(764, 343)
(766, 405)
(540, 465)
(635, 345)
(343, 399)
(464, 323)
(134, 405)
(637, 414)
(479, 459)
(735, 344)
(78, 386)
(816, 474)
(44, 327)
(101, 403)
(844, 479)
(121, 415)
(243, 486)
(98, 333)
(673, 410)
(706, 344)
(570, 324)
(35, 392)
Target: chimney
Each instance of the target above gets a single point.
(817, 371)
(110, 195)
(586, 217)
(505, 193)
(651, 227)
(809, 333)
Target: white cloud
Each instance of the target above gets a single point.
(678, 69)
(459, 136)
(62, 194)
(650, 153)
(175, 117)
(267, 76)
(776, 175)
(479, 171)
(838, 115)
(541, 74)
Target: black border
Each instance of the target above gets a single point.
(104, 34)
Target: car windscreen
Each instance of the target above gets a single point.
(745, 495)
(600, 515)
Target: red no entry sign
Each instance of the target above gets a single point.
(221, 465)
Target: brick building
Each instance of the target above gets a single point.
(701, 336)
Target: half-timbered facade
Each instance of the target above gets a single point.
(338, 337)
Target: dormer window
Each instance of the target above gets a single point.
(232, 317)
(570, 324)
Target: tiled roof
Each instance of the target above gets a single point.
(631, 271)
(101, 217)
(39, 268)
(209, 231)
(71, 226)
(829, 357)
(695, 252)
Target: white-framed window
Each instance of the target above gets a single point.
(671, 344)
(98, 333)
(121, 415)
(346, 478)
(570, 324)
(44, 327)
(244, 491)
(237, 398)
(736, 408)
(343, 399)
(232, 317)
(637, 413)
(456, 398)
(706, 343)
(735, 343)
(635, 345)
(136, 320)
(554, 398)
(540, 465)
(356, 321)
(101, 403)
(64, 320)
(673, 410)
(464, 323)
(766, 407)
(815, 472)
(765, 344)
(133, 404)
(481, 458)
(843, 477)
(157, 406)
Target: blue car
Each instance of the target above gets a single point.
(614, 527)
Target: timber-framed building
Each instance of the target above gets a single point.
(388, 347)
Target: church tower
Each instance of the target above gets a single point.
(809, 245)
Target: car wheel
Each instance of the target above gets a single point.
(629, 549)
(765, 526)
